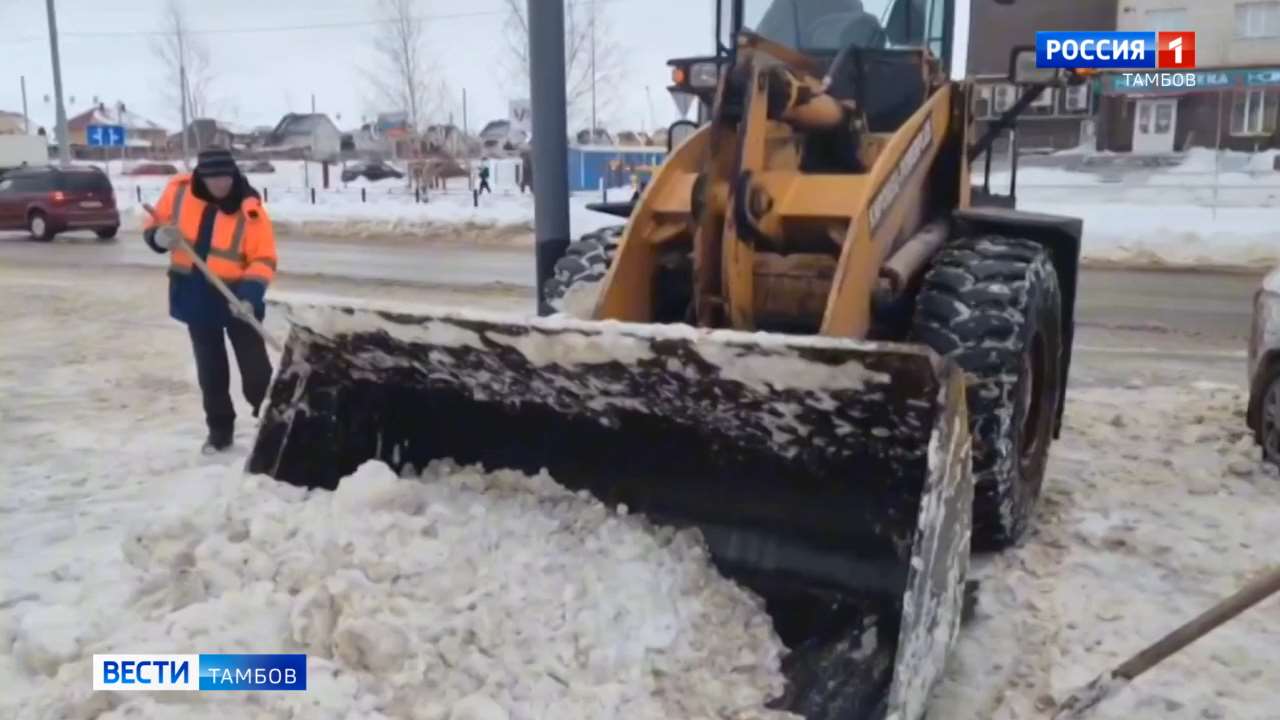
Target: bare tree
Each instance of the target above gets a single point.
(590, 53)
(177, 48)
(405, 79)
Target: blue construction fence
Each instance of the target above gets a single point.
(592, 166)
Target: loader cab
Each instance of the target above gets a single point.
(871, 44)
(879, 67)
(822, 28)
(884, 55)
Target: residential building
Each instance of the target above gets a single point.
(12, 123)
(631, 138)
(601, 137)
(500, 136)
(394, 125)
(450, 140)
(495, 131)
(1060, 118)
(205, 132)
(306, 135)
(1235, 101)
(142, 136)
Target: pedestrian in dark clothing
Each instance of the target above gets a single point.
(222, 218)
(526, 171)
(484, 179)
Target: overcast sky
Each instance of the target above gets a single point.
(263, 71)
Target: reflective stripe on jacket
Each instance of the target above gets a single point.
(242, 246)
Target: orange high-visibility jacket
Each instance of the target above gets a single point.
(243, 246)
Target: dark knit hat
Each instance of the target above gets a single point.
(216, 161)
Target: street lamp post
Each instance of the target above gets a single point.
(64, 142)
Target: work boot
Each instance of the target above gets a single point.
(219, 439)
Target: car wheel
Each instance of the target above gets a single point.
(107, 233)
(1269, 433)
(38, 226)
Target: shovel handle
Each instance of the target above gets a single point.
(1259, 589)
(234, 303)
(1084, 699)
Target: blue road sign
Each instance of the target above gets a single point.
(105, 135)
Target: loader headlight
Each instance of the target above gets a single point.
(704, 74)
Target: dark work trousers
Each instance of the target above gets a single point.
(484, 186)
(215, 374)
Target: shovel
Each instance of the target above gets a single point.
(239, 308)
(1105, 685)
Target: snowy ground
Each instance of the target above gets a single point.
(414, 599)
(385, 208)
(1207, 211)
(1155, 508)
(120, 538)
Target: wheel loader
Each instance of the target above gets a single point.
(808, 341)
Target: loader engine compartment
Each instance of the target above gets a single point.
(820, 494)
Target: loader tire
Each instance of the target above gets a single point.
(993, 305)
(586, 260)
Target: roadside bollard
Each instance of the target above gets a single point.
(475, 198)
(362, 196)
(264, 195)
(417, 195)
(138, 189)
(313, 196)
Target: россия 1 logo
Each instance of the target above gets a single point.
(1116, 50)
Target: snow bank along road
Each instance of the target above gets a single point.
(118, 538)
(420, 263)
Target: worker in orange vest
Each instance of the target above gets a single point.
(222, 218)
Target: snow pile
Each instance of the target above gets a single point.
(1188, 215)
(1156, 506)
(1182, 235)
(502, 219)
(1263, 162)
(457, 595)
(1212, 209)
(580, 300)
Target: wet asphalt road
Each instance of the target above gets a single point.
(1146, 326)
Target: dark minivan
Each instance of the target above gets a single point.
(48, 200)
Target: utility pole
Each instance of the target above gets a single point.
(182, 93)
(593, 72)
(26, 119)
(471, 182)
(306, 160)
(64, 142)
(648, 101)
(550, 141)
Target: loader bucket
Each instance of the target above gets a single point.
(830, 476)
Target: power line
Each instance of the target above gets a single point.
(280, 28)
(313, 26)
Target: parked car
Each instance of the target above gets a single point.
(372, 170)
(48, 200)
(257, 166)
(1264, 367)
(152, 168)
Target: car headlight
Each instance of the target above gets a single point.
(704, 74)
